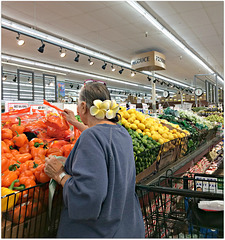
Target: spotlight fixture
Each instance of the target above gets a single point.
(78, 87)
(133, 74)
(90, 62)
(4, 78)
(139, 95)
(168, 85)
(76, 59)
(104, 66)
(154, 81)
(42, 47)
(145, 95)
(71, 85)
(162, 83)
(20, 41)
(113, 69)
(62, 53)
(121, 70)
(14, 79)
(149, 79)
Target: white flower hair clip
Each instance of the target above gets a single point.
(107, 108)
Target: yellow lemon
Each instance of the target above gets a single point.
(131, 120)
(133, 126)
(127, 125)
(139, 131)
(174, 131)
(155, 137)
(131, 111)
(123, 121)
(148, 125)
(175, 136)
(182, 135)
(170, 137)
(161, 141)
(126, 115)
(160, 131)
(179, 135)
(141, 126)
(146, 130)
(165, 135)
(148, 134)
(152, 128)
(136, 122)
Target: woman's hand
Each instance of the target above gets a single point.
(69, 115)
(53, 167)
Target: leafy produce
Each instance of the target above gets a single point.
(200, 122)
(78, 118)
(197, 109)
(215, 118)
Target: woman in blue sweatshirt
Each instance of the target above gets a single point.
(98, 178)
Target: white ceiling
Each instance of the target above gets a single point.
(115, 29)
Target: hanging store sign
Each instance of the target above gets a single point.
(61, 89)
(150, 61)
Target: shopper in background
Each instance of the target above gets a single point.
(99, 180)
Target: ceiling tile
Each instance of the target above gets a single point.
(204, 31)
(89, 23)
(186, 6)
(63, 8)
(216, 12)
(196, 18)
(163, 9)
(109, 18)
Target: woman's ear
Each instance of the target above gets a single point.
(83, 107)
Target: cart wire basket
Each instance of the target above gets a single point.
(170, 208)
(26, 213)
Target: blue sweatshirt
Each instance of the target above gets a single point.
(100, 199)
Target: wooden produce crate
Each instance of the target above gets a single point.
(168, 153)
(150, 171)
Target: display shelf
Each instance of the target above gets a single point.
(183, 164)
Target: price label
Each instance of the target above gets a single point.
(145, 106)
(132, 106)
(38, 107)
(15, 106)
(123, 105)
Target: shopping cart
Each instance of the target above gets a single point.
(26, 213)
(170, 207)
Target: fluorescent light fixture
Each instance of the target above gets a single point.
(159, 26)
(38, 69)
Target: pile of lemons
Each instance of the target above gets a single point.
(149, 126)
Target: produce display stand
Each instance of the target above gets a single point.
(169, 212)
(182, 164)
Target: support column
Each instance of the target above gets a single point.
(182, 102)
(153, 93)
(195, 85)
(216, 92)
